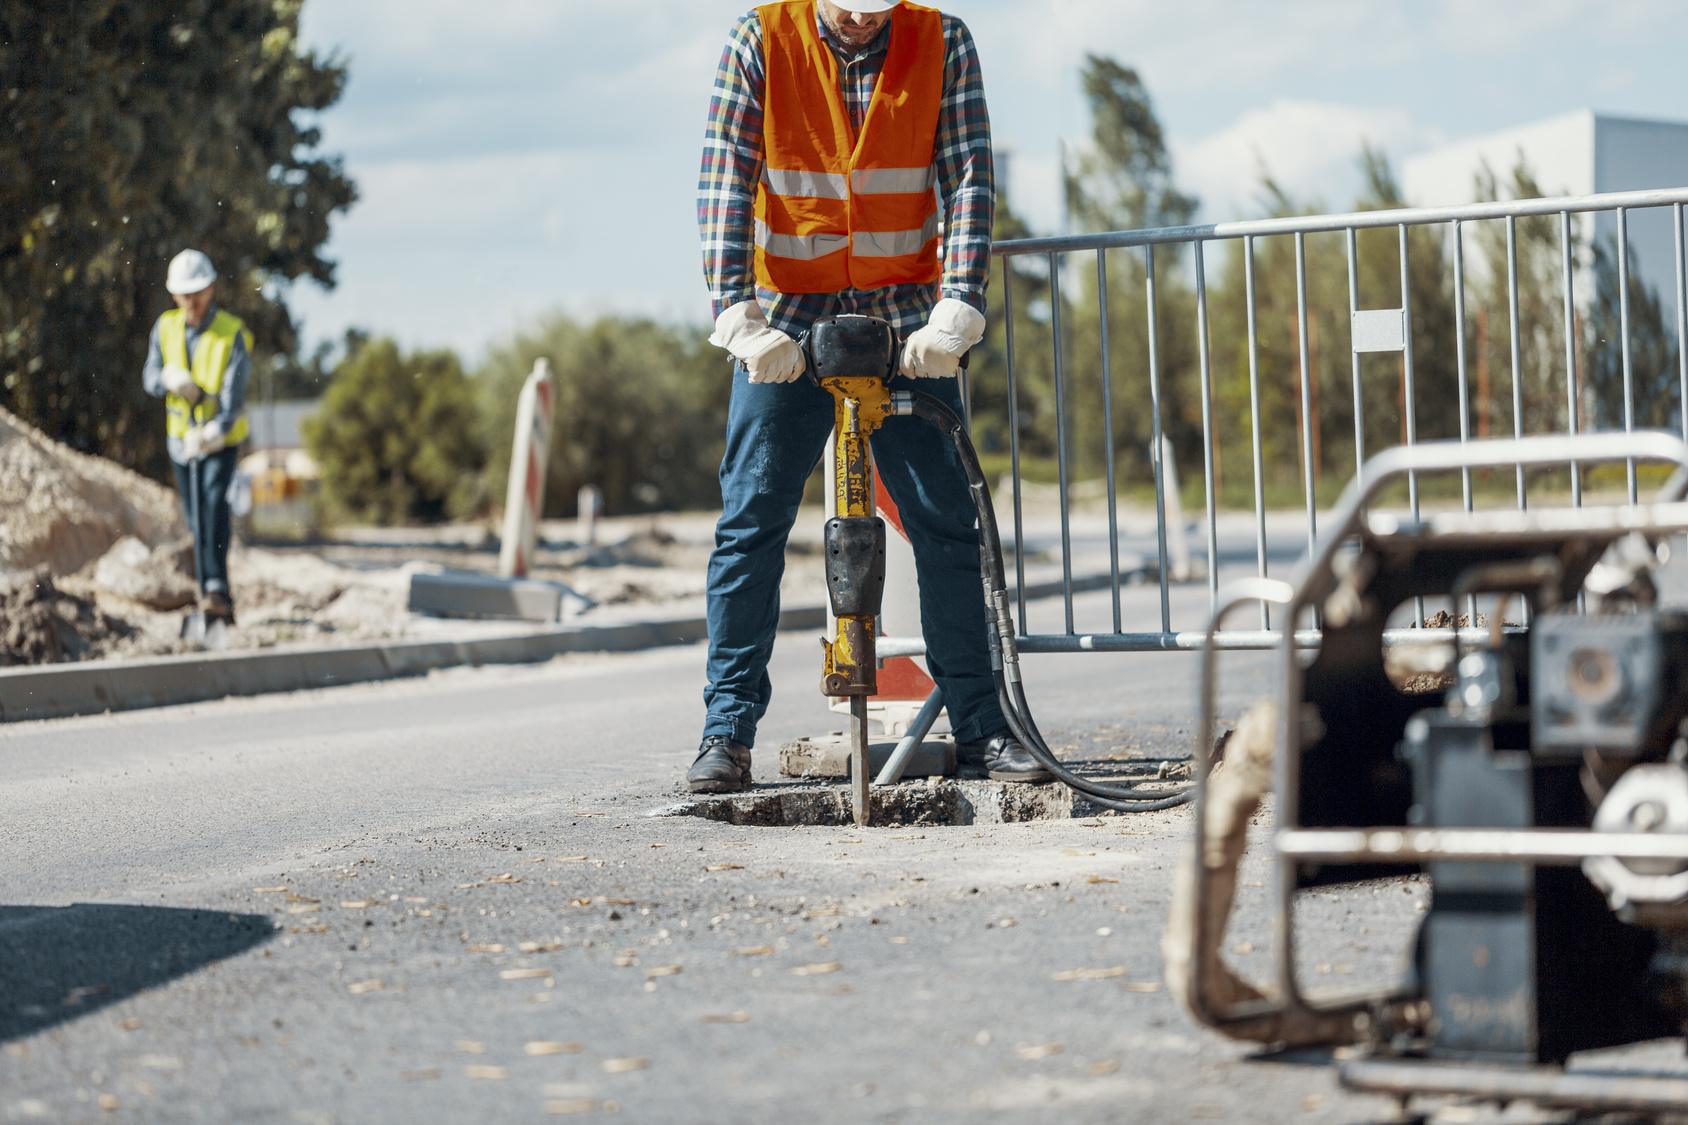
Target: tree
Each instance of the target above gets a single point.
(640, 411)
(1123, 180)
(133, 130)
(398, 437)
(988, 361)
(1540, 372)
(1435, 404)
(1329, 398)
(1654, 374)
(1277, 357)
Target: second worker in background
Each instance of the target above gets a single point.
(199, 359)
(846, 169)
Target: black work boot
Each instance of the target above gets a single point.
(218, 606)
(721, 766)
(1003, 758)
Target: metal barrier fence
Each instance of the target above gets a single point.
(1372, 330)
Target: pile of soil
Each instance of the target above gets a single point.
(41, 624)
(62, 509)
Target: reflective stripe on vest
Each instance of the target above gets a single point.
(833, 210)
(211, 357)
(868, 244)
(865, 181)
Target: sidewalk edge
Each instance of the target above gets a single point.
(59, 691)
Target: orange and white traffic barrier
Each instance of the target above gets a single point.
(904, 683)
(525, 495)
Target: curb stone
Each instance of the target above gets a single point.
(62, 690)
(57, 691)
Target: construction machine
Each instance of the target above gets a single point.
(1532, 768)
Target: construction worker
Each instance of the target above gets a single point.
(830, 126)
(199, 359)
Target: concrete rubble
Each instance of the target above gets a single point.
(160, 578)
(912, 804)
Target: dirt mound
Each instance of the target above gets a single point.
(41, 624)
(63, 509)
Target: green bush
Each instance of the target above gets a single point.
(397, 437)
(640, 411)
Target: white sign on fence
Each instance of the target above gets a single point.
(1380, 330)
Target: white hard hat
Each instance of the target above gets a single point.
(190, 271)
(867, 5)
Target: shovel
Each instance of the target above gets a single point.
(195, 629)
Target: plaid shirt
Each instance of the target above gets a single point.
(732, 168)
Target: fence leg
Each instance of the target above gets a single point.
(917, 731)
(1177, 541)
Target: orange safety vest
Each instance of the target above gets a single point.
(836, 211)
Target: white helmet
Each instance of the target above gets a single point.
(868, 5)
(190, 271)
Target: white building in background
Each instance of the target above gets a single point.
(1579, 153)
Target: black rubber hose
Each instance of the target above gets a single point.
(1010, 693)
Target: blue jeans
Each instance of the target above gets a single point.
(776, 434)
(211, 539)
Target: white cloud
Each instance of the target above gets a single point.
(519, 74)
(1310, 149)
(462, 251)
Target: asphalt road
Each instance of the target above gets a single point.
(312, 908)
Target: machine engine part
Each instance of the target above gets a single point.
(1610, 681)
(1542, 791)
(1647, 798)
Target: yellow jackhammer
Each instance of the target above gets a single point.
(852, 357)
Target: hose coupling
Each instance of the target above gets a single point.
(902, 402)
(1009, 655)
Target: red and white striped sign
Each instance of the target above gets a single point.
(525, 494)
(902, 677)
(903, 680)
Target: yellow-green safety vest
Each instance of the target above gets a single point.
(210, 362)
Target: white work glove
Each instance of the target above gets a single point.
(203, 441)
(193, 444)
(935, 352)
(179, 382)
(767, 353)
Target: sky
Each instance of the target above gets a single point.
(520, 157)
